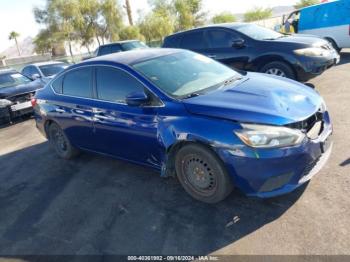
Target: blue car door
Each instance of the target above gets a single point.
(121, 130)
(72, 108)
(222, 47)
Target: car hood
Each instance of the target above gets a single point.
(258, 98)
(303, 39)
(20, 89)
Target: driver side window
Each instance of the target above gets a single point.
(114, 84)
(221, 38)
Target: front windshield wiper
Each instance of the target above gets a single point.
(231, 80)
(194, 94)
(274, 38)
(218, 86)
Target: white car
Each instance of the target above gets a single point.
(44, 70)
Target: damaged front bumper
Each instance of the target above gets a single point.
(268, 173)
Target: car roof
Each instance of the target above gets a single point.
(133, 56)
(46, 63)
(223, 25)
(8, 70)
(120, 42)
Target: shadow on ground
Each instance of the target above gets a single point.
(99, 205)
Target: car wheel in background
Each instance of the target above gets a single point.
(60, 142)
(202, 174)
(279, 69)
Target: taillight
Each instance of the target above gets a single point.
(33, 101)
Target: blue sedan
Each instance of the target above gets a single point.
(189, 116)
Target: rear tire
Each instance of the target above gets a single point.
(279, 69)
(60, 143)
(202, 174)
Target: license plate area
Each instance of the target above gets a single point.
(21, 106)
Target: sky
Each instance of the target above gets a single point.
(17, 15)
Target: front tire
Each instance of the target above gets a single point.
(60, 143)
(202, 174)
(279, 69)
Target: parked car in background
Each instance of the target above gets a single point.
(119, 47)
(327, 20)
(254, 48)
(44, 71)
(16, 91)
(183, 113)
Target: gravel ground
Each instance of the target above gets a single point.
(99, 205)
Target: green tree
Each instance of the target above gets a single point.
(257, 13)
(189, 14)
(158, 23)
(131, 32)
(60, 18)
(224, 17)
(155, 26)
(111, 20)
(86, 22)
(43, 42)
(13, 36)
(304, 3)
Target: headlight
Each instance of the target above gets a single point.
(261, 136)
(5, 103)
(312, 51)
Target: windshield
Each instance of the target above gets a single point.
(258, 32)
(133, 45)
(53, 69)
(13, 79)
(185, 73)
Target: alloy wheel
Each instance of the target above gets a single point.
(275, 71)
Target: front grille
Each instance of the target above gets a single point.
(307, 124)
(21, 98)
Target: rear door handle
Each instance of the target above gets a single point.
(102, 117)
(83, 107)
(97, 111)
(60, 110)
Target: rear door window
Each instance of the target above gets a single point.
(78, 82)
(193, 40)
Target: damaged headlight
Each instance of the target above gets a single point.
(312, 51)
(5, 103)
(262, 136)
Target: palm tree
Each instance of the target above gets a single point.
(14, 35)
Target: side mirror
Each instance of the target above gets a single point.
(136, 99)
(35, 76)
(238, 43)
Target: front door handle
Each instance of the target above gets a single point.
(212, 56)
